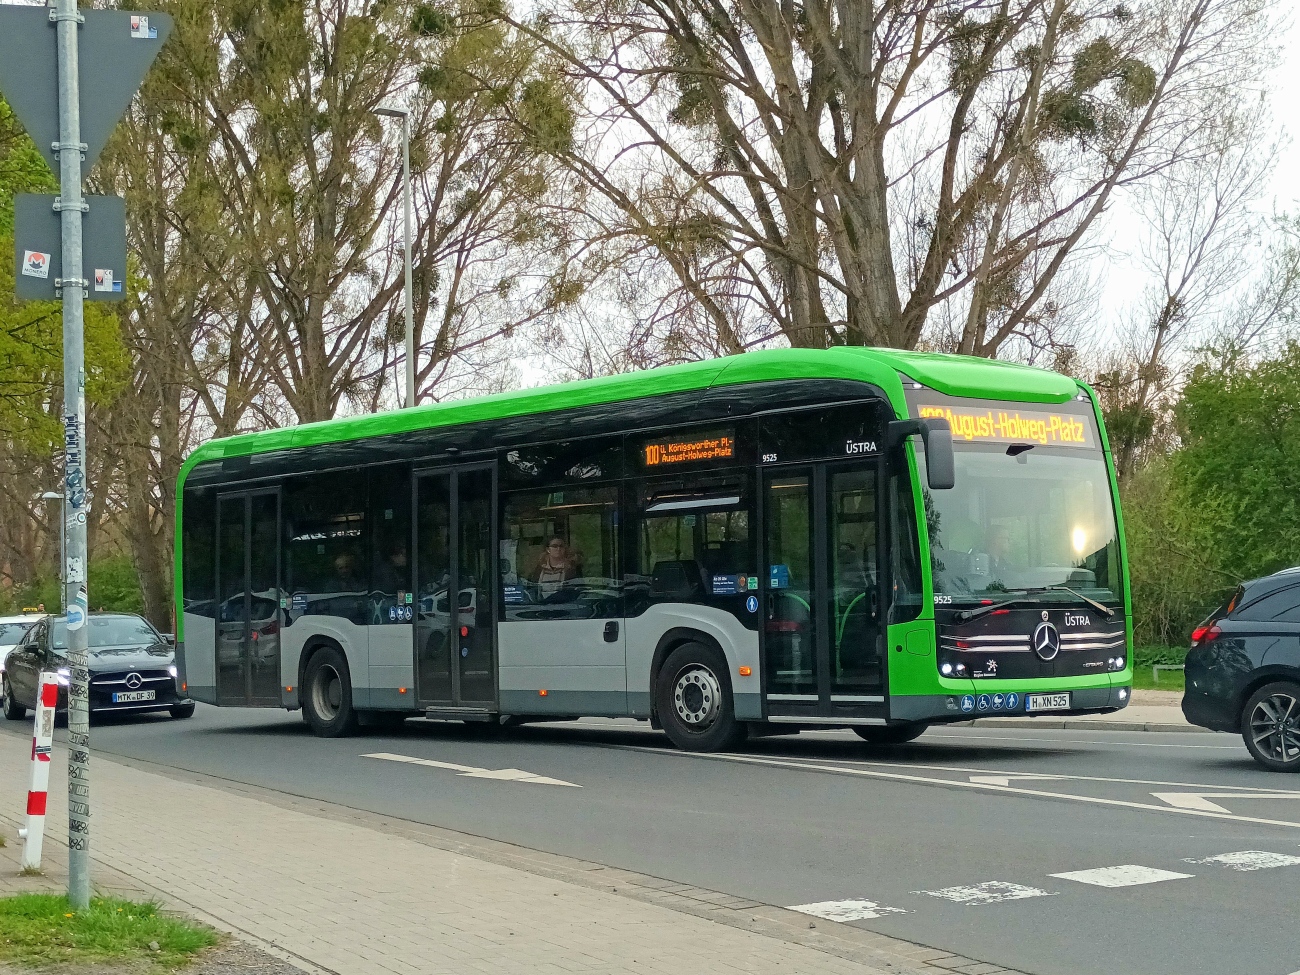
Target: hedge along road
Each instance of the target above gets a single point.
(1045, 851)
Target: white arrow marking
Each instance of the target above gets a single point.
(1201, 800)
(1009, 778)
(474, 772)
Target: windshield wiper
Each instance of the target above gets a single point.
(979, 611)
(1077, 595)
(976, 613)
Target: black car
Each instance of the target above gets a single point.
(132, 667)
(1243, 670)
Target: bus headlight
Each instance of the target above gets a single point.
(1123, 693)
(172, 670)
(946, 669)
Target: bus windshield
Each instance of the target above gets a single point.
(1023, 518)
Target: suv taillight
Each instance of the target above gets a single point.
(1206, 632)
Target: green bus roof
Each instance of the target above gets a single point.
(952, 374)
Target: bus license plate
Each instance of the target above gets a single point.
(1047, 702)
(128, 697)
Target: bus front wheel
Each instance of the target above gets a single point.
(327, 703)
(893, 734)
(693, 698)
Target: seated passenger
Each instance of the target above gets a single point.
(556, 566)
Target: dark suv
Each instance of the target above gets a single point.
(1243, 670)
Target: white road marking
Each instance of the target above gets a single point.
(989, 892)
(850, 910)
(1201, 800)
(1125, 875)
(1083, 741)
(1008, 779)
(810, 766)
(473, 772)
(1247, 860)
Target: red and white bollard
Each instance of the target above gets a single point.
(47, 702)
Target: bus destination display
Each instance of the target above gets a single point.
(715, 445)
(1013, 425)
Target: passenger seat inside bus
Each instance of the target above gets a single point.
(678, 581)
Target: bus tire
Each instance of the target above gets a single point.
(693, 698)
(13, 710)
(327, 703)
(891, 734)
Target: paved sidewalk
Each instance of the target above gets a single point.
(350, 893)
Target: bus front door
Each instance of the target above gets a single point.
(455, 625)
(248, 608)
(822, 636)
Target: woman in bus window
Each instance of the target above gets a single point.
(556, 566)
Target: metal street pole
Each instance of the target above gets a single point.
(76, 600)
(405, 116)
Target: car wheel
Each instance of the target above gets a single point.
(1270, 726)
(893, 734)
(13, 710)
(327, 703)
(182, 711)
(693, 698)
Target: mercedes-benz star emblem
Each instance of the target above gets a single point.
(134, 680)
(1047, 641)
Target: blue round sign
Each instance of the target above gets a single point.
(998, 701)
(392, 613)
(751, 604)
(1012, 700)
(464, 651)
(983, 702)
(968, 703)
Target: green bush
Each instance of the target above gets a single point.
(114, 585)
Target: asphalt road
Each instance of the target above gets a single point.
(955, 841)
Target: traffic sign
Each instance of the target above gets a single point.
(115, 50)
(39, 253)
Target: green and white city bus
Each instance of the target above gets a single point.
(723, 547)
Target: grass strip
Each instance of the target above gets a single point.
(42, 929)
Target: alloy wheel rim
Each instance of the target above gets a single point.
(327, 692)
(697, 697)
(1275, 727)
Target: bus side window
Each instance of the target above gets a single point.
(198, 542)
(558, 555)
(326, 564)
(906, 588)
(695, 544)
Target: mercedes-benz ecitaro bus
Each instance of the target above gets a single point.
(784, 540)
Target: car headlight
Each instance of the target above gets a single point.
(173, 671)
(65, 676)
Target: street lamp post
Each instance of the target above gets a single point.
(405, 116)
(63, 537)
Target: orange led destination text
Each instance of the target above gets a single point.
(682, 451)
(1014, 426)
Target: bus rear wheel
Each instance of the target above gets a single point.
(892, 734)
(327, 701)
(693, 698)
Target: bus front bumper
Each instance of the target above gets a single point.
(935, 708)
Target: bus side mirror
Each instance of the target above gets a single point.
(936, 434)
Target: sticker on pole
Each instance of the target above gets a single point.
(104, 280)
(140, 28)
(76, 617)
(36, 264)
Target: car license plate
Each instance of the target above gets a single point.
(128, 697)
(1047, 702)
